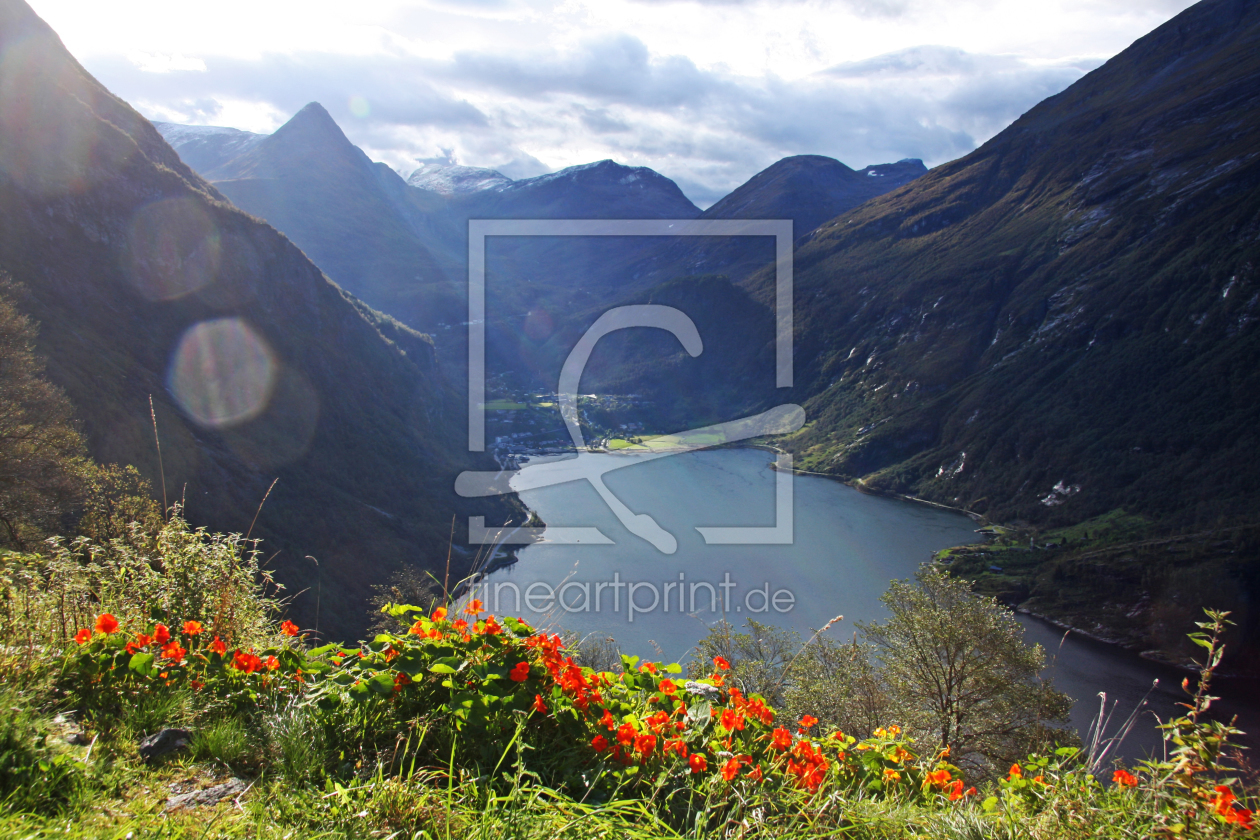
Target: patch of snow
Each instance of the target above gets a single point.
(456, 180)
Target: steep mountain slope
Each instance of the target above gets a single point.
(357, 220)
(808, 189)
(1063, 324)
(147, 283)
(1073, 304)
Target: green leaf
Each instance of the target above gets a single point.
(673, 668)
(142, 664)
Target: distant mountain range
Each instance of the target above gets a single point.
(146, 283)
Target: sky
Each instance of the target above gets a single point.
(706, 92)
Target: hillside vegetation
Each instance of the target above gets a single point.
(155, 693)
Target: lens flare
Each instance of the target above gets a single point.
(174, 248)
(53, 145)
(223, 373)
(360, 107)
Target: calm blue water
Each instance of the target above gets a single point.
(846, 547)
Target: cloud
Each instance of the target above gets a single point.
(530, 111)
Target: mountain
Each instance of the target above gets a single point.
(356, 219)
(204, 147)
(1062, 325)
(808, 189)
(456, 180)
(147, 283)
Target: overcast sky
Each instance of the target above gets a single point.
(707, 92)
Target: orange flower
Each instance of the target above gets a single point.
(648, 667)
(938, 778)
(667, 686)
(460, 625)
(418, 629)
(192, 628)
(400, 680)
(196, 684)
(891, 775)
(645, 743)
(1223, 800)
(721, 663)
(439, 614)
(218, 647)
(173, 651)
(1241, 816)
(106, 623)
(732, 720)
(755, 773)
(247, 662)
(697, 763)
(493, 628)
(807, 722)
(520, 673)
(288, 628)
(539, 705)
(730, 769)
(676, 745)
(272, 663)
(782, 739)
(161, 634)
(1015, 773)
(83, 636)
(954, 790)
(599, 743)
(607, 720)
(474, 606)
(626, 733)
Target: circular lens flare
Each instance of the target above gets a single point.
(173, 249)
(222, 373)
(360, 107)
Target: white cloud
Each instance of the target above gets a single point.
(705, 91)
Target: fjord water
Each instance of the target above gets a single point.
(847, 546)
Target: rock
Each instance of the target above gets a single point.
(210, 796)
(77, 739)
(164, 743)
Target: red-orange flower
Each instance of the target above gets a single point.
(807, 722)
(218, 647)
(288, 628)
(730, 769)
(732, 720)
(607, 720)
(755, 773)
(599, 743)
(106, 623)
(648, 667)
(938, 778)
(493, 628)
(439, 614)
(192, 628)
(83, 636)
(626, 733)
(247, 662)
(1015, 773)
(667, 686)
(645, 743)
(161, 634)
(474, 606)
(539, 705)
(418, 629)
(954, 790)
(697, 763)
(272, 663)
(173, 651)
(782, 739)
(460, 625)
(520, 673)
(676, 745)
(721, 663)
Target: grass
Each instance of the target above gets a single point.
(504, 405)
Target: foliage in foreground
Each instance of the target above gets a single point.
(459, 723)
